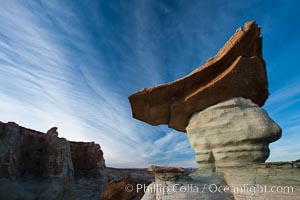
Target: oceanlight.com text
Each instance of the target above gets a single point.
(211, 188)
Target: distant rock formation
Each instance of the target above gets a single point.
(35, 165)
(118, 178)
(116, 174)
(124, 189)
(162, 169)
(238, 70)
(87, 160)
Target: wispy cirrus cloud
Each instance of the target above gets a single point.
(53, 73)
(283, 106)
(73, 65)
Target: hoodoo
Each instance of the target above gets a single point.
(219, 105)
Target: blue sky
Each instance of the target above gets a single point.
(72, 64)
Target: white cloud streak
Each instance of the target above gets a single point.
(52, 75)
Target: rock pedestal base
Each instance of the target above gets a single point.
(232, 133)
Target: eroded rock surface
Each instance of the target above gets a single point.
(235, 132)
(274, 181)
(88, 160)
(265, 181)
(238, 70)
(35, 165)
(174, 185)
(125, 189)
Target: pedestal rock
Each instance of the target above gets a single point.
(219, 106)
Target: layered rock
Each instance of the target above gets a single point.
(57, 156)
(275, 180)
(10, 150)
(171, 183)
(265, 181)
(235, 132)
(88, 160)
(238, 70)
(35, 165)
(166, 173)
(26, 152)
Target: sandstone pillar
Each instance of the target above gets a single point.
(235, 132)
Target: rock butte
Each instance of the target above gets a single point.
(37, 165)
(238, 70)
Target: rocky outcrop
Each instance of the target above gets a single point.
(265, 181)
(235, 132)
(172, 184)
(238, 70)
(163, 174)
(87, 160)
(125, 189)
(57, 156)
(26, 152)
(35, 165)
(119, 178)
